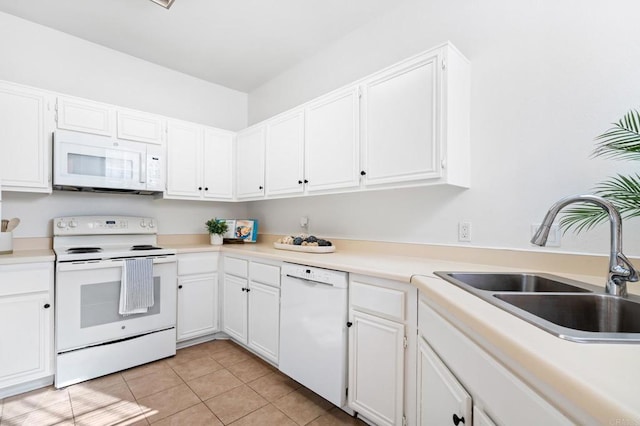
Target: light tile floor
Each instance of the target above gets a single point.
(214, 383)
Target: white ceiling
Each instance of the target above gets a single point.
(240, 44)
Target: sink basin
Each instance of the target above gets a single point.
(586, 312)
(510, 282)
(579, 317)
(568, 309)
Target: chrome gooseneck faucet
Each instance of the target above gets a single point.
(620, 268)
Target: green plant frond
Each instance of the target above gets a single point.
(582, 218)
(621, 141)
(622, 191)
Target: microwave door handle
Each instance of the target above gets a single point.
(143, 168)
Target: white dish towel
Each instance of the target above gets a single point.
(136, 286)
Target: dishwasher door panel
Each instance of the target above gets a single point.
(313, 336)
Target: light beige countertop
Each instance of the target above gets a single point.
(193, 248)
(591, 383)
(600, 380)
(27, 256)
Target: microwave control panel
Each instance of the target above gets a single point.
(155, 179)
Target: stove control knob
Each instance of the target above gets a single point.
(151, 225)
(73, 224)
(143, 223)
(61, 224)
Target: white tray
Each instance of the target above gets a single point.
(306, 249)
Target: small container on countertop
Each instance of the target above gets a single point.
(6, 242)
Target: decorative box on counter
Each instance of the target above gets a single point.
(244, 229)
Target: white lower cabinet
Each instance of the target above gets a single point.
(251, 305)
(376, 385)
(26, 327)
(197, 295)
(454, 373)
(442, 399)
(264, 319)
(382, 330)
(235, 307)
(480, 418)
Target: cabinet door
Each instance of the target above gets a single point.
(184, 159)
(285, 154)
(480, 418)
(250, 162)
(401, 123)
(218, 164)
(197, 306)
(85, 116)
(235, 307)
(25, 326)
(331, 142)
(25, 137)
(264, 320)
(376, 368)
(139, 126)
(441, 398)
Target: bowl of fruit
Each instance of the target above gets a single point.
(305, 243)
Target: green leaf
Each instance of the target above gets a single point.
(621, 141)
(622, 191)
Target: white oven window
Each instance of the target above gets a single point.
(99, 304)
(93, 165)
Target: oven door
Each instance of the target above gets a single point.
(98, 162)
(87, 300)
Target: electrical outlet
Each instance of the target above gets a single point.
(464, 231)
(304, 222)
(554, 234)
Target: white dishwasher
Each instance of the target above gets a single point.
(313, 329)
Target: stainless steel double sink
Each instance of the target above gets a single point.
(569, 309)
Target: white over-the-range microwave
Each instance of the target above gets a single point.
(85, 162)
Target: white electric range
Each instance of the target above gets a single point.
(92, 338)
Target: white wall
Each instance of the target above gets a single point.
(38, 56)
(547, 77)
(36, 211)
(42, 57)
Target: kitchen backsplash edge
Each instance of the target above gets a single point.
(581, 264)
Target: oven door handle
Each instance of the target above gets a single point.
(105, 264)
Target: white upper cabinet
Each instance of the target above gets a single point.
(400, 123)
(285, 154)
(331, 141)
(184, 159)
(415, 121)
(26, 124)
(82, 115)
(86, 116)
(218, 164)
(199, 162)
(139, 126)
(250, 162)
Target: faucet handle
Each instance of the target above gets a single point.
(625, 269)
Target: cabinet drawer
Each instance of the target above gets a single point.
(379, 300)
(266, 274)
(25, 278)
(238, 267)
(197, 263)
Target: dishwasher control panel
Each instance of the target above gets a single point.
(319, 275)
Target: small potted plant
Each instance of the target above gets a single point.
(216, 227)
